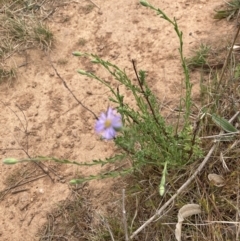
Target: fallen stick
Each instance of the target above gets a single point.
(20, 183)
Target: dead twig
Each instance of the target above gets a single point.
(20, 190)
(51, 13)
(26, 127)
(74, 96)
(40, 166)
(108, 227)
(25, 131)
(20, 183)
(32, 217)
(228, 56)
(124, 216)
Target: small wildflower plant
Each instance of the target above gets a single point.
(140, 132)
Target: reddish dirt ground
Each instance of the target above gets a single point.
(38, 104)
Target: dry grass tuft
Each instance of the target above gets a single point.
(23, 26)
(70, 220)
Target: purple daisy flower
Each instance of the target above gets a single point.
(108, 124)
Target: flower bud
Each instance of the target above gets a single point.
(144, 3)
(74, 181)
(95, 61)
(80, 71)
(77, 53)
(10, 161)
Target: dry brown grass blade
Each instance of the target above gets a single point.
(94, 4)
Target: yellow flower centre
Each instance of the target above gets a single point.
(107, 123)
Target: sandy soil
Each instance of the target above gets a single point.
(40, 117)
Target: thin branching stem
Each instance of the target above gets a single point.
(188, 86)
(147, 98)
(74, 96)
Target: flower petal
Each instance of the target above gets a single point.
(100, 125)
(109, 112)
(109, 134)
(117, 122)
(103, 117)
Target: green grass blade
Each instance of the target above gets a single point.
(223, 123)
